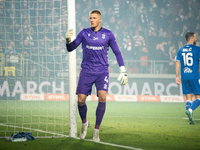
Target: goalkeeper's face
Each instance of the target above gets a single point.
(95, 21)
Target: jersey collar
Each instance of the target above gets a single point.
(96, 31)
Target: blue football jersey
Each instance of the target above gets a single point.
(189, 56)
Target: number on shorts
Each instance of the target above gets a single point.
(106, 79)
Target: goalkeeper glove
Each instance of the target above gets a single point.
(68, 35)
(122, 76)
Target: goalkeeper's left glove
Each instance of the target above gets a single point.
(122, 76)
(68, 35)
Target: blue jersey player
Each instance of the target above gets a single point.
(96, 41)
(188, 58)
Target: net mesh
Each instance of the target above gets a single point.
(33, 60)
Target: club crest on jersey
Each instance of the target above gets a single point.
(88, 34)
(103, 36)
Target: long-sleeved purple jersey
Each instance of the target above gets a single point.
(95, 46)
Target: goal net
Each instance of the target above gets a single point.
(34, 68)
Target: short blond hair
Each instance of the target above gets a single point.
(95, 11)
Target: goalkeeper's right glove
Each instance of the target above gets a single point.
(68, 35)
(122, 76)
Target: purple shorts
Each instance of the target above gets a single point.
(86, 81)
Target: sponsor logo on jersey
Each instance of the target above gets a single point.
(187, 70)
(187, 50)
(103, 36)
(95, 38)
(95, 47)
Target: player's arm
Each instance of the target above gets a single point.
(114, 46)
(178, 81)
(72, 45)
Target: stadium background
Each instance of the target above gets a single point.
(35, 29)
(149, 34)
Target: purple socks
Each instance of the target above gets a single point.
(100, 113)
(82, 112)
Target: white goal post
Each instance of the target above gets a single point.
(72, 74)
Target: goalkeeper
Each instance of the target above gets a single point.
(94, 68)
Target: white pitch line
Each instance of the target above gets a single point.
(138, 117)
(104, 143)
(115, 145)
(153, 117)
(193, 118)
(143, 117)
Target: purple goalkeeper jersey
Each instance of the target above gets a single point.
(95, 46)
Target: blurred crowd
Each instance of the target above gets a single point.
(147, 31)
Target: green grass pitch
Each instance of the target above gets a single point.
(142, 125)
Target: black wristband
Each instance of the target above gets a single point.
(68, 40)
